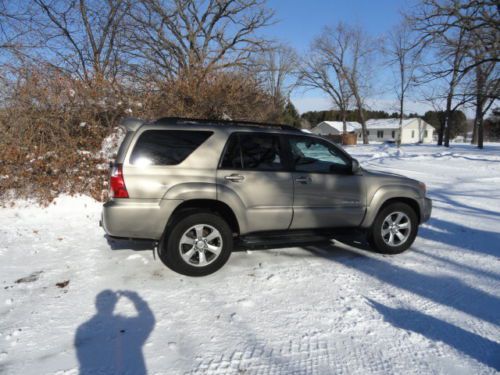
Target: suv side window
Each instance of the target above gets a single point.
(253, 151)
(315, 156)
(166, 147)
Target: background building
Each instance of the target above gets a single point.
(415, 130)
(336, 127)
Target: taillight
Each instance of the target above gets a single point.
(117, 183)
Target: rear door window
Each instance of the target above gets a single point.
(253, 151)
(166, 147)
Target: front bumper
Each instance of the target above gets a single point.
(426, 210)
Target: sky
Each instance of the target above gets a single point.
(299, 21)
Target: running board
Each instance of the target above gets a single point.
(282, 239)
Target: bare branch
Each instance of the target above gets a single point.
(187, 37)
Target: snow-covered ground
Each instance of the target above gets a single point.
(323, 310)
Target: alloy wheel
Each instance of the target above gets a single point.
(200, 245)
(396, 229)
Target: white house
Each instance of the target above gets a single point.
(336, 127)
(415, 130)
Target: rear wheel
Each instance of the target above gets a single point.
(394, 229)
(197, 245)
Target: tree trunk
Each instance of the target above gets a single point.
(478, 121)
(447, 120)
(363, 125)
(441, 131)
(344, 124)
(480, 100)
(480, 129)
(400, 135)
(447, 132)
(473, 140)
(359, 106)
(457, 59)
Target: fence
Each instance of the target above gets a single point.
(345, 139)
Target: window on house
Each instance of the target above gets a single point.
(380, 134)
(425, 133)
(413, 133)
(393, 134)
(367, 132)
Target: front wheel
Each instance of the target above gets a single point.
(197, 245)
(394, 229)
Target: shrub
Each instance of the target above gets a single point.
(53, 125)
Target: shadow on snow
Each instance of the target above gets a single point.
(481, 349)
(468, 238)
(112, 344)
(443, 290)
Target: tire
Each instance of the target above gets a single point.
(403, 233)
(197, 244)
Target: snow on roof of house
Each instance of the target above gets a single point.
(351, 126)
(390, 123)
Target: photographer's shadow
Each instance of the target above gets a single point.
(112, 344)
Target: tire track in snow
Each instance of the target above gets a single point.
(322, 355)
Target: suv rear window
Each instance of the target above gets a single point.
(166, 147)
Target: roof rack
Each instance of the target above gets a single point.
(184, 120)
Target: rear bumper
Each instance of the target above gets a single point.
(426, 210)
(137, 218)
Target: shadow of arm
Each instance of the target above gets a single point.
(145, 317)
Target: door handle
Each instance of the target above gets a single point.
(303, 180)
(235, 178)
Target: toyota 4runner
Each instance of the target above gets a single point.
(200, 188)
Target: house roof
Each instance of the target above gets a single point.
(351, 126)
(391, 123)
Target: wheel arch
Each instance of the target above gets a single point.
(206, 205)
(409, 201)
(384, 197)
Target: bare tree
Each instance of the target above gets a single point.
(358, 50)
(453, 28)
(8, 17)
(486, 86)
(321, 70)
(445, 18)
(277, 69)
(188, 37)
(403, 51)
(455, 55)
(14, 25)
(482, 58)
(338, 65)
(448, 48)
(81, 35)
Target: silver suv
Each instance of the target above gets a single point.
(200, 188)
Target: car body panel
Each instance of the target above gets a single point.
(382, 186)
(327, 201)
(265, 199)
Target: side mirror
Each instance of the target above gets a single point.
(355, 166)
